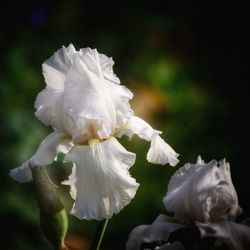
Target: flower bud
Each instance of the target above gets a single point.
(53, 217)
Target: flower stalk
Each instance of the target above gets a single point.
(53, 217)
(99, 234)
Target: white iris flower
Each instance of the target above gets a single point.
(87, 108)
(202, 196)
(202, 192)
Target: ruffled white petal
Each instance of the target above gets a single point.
(121, 97)
(72, 179)
(83, 96)
(88, 108)
(99, 64)
(200, 161)
(107, 64)
(102, 66)
(48, 108)
(93, 107)
(100, 182)
(159, 231)
(49, 101)
(160, 152)
(139, 127)
(90, 58)
(56, 67)
(202, 192)
(47, 152)
(234, 235)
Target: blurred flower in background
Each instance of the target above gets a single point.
(202, 192)
(202, 198)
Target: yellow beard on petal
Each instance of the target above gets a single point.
(86, 136)
(94, 141)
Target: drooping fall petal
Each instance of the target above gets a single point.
(160, 152)
(54, 143)
(100, 182)
(234, 235)
(156, 233)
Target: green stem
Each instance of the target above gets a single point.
(99, 234)
(62, 248)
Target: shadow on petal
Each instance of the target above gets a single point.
(151, 236)
(234, 235)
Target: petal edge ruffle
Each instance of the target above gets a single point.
(160, 152)
(100, 182)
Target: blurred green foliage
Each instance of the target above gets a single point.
(187, 74)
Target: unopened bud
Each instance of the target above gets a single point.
(53, 217)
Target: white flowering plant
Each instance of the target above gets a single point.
(205, 206)
(88, 108)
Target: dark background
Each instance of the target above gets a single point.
(187, 67)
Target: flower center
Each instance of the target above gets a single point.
(89, 134)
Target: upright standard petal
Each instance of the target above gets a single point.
(202, 192)
(89, 111)
(102, 66)
(234, 235)
(49, 101)
(121, 97)
(56, 67)
(100, 182)
(48, 106)
(160, 152)
(90, 58)
(107, 64)
(82, 96)
(53, 144)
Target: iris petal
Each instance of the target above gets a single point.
(46, 153)
(158, 232)
(100, 182)
(83, 96)
(234, 235)
(88, 108)
(49, 101)
(160, 152)
(48, 108)
(202, 192)
(56, 67)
